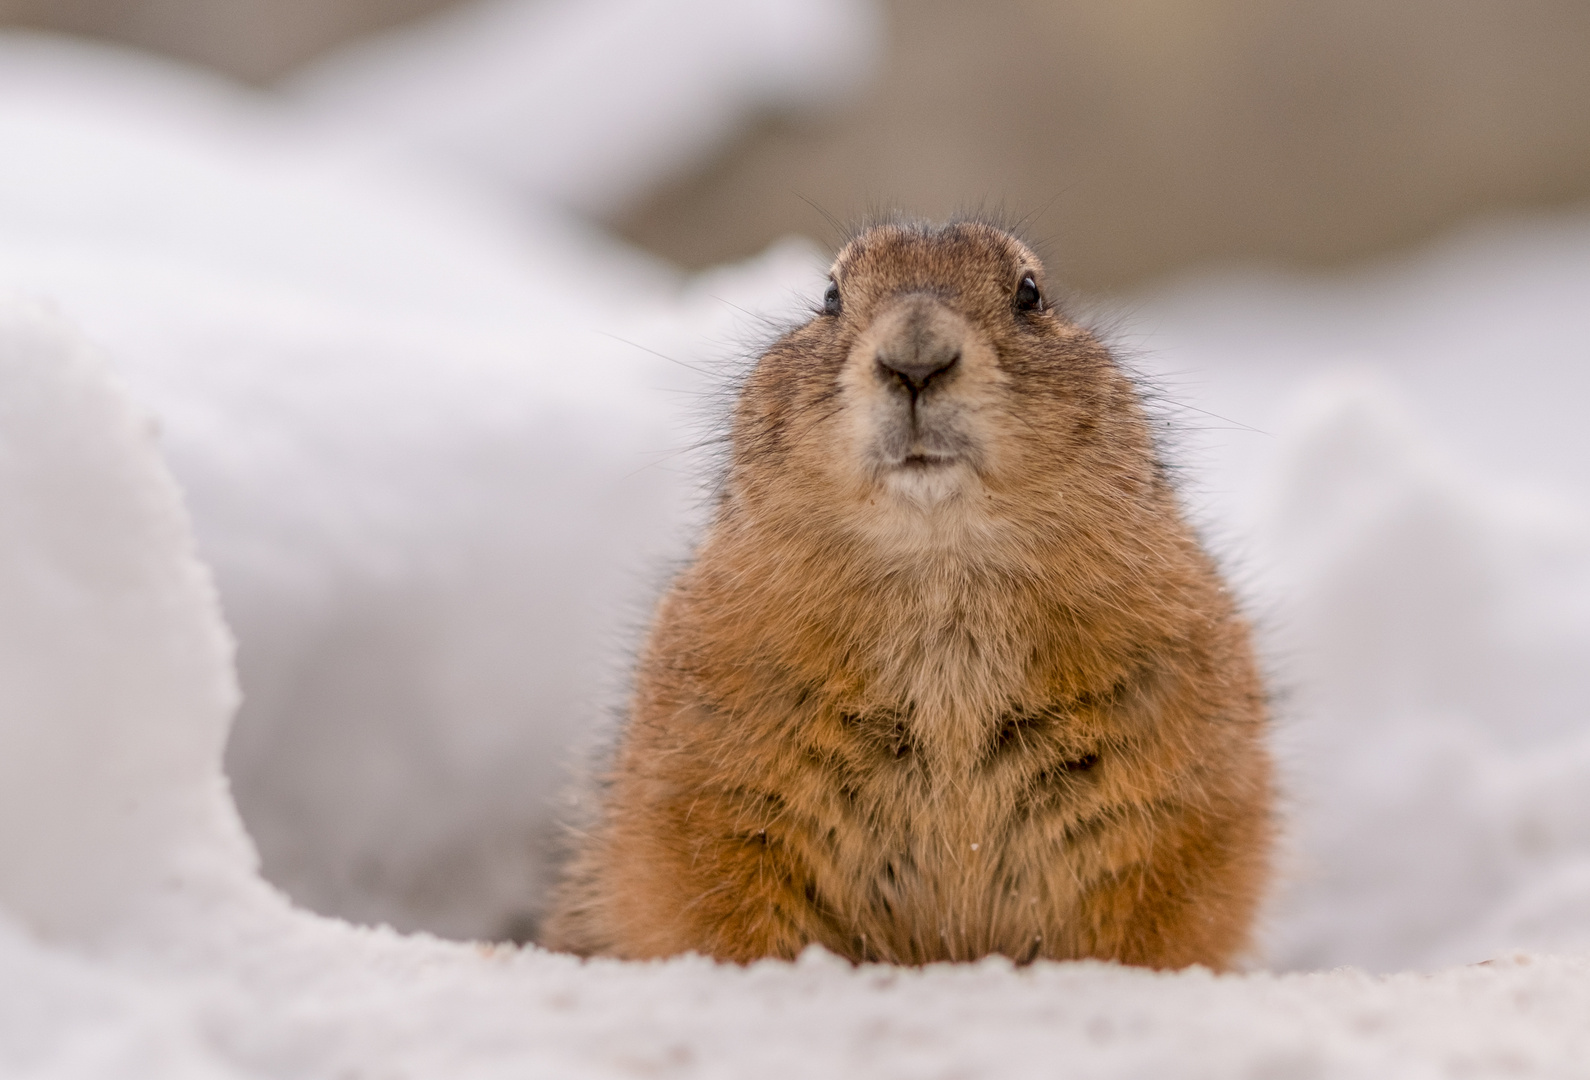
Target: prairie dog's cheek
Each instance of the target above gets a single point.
(982, 411)
(853, 450)
(814, 440)
(865, 412)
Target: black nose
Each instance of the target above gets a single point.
(918, 364)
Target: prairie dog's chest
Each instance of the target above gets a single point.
(907, 776)
(892, 832)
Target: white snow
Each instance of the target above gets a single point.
(429, 450)
(575, 103)
(1411, 517)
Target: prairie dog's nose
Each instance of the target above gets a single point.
(920, 348)
(917, 367)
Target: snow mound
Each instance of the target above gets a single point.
(115, 678)
(436, 440)
(164, 978)
(430, 453)
(589, 105)
(1429, 627)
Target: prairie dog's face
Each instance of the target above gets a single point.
(935, 397)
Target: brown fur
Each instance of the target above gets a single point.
(996, 701)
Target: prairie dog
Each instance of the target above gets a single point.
(949, 674)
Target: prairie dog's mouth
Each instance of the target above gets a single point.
(936, 454)
(925, 478)
(926, 461)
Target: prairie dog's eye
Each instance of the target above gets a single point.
(1028, 298)
(831, 299)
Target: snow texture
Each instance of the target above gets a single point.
(542, 94)
(198, 970)
(431, 454)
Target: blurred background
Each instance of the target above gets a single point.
(1137, 136)
(432, 300)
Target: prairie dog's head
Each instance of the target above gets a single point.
(937, 397)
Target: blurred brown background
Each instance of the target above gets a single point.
(1141, 135)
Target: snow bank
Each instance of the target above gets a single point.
(113, 707)
(436, 454)
(223, 979)
(589, 105)
(432, 460)
(1392, 458)
(1429, 628)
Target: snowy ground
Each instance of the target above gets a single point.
(433, 451)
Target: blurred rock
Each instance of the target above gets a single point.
(1134, 136)
(1139, 136)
